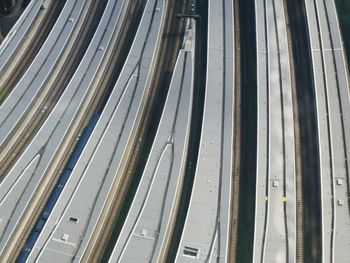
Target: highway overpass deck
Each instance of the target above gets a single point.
(33, 82)
(18, 32)
(207, 222)
(275, 224)
(19, 186)
(95, 175)
(119, 77)
(332, 94)
(164, 169)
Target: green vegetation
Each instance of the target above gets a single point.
(343, 7)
